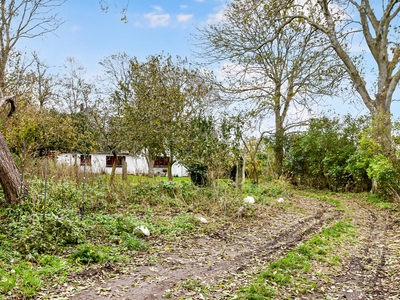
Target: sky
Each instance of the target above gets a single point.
(90, 34)
(153, 26)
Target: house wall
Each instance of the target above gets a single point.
(136, 165)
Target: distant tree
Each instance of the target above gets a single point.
(288, 73)
(42, 130)
(343, 24)
(19, 19)
(323, 156)
(74, 90)
(109, 108)
(42, 84)
(110, 131)
(116, 77)
(207, 152)
(166, 94)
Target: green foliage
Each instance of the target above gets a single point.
(270, 189)
(369, 161)
(33, 233)
(319, 157)
(88, 253)
(132, 242)
(381, 168)
(284, 272)
(379, 201)
(176, 225)
(60, 240)
(43, 130)
(198, 174)
(166, 94)
(207, 152)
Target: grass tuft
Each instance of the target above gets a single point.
(291, 270)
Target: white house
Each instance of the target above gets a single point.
(136, 165)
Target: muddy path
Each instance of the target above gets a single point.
(216, 265)
(371, 268)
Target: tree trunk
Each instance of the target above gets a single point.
(169, 170)
(150, 164)
(10, 179)
(114, 167)
(382, 133)
(279, 130)
(243, 170)
(278, 151)
(237, 182)
(124, 170)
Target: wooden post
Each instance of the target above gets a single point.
(124, 170)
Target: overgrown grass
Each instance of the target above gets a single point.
(70, 225)
(327, 198)
(290, 272)
(379, 201)
(268, 190)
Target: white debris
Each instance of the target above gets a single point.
(241, 211)
(144, 230)
(280, 200)
(203, 220)
(249, 200)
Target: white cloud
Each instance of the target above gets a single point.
(157, 20)
(157, 8)
(183, 6)
(217, 17)
(183, 17)
(200, 1)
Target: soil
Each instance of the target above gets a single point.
(216, 265)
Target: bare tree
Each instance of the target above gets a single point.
(42, 83)
(372, 25)
(290, 71)
(19, 19)
(74, 90)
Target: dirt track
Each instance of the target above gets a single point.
(215, 266)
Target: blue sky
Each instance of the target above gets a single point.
(153, 26)
(90, 34)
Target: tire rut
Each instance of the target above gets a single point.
(371, 269)
(208, 261)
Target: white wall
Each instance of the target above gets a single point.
(136, 165)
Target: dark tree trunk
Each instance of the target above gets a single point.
(150, 163)
(169, 170)
(382, 133)
(278, 152)
(124, 170)
(10, 179)
(114, 167)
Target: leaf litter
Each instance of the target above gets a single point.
(218, 264)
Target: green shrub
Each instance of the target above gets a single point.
(319, 157)
(46, 234)
(379, 168)
(132, 242)
(198, 174)
(87, 253)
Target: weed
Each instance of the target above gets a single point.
(379, 201)
(131, 242)
(331, 200)
(285, 271)
(176, 225)
(87, 253)
(192, 284)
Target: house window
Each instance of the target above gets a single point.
(110, 161)
(161, 162)
(86, 160)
